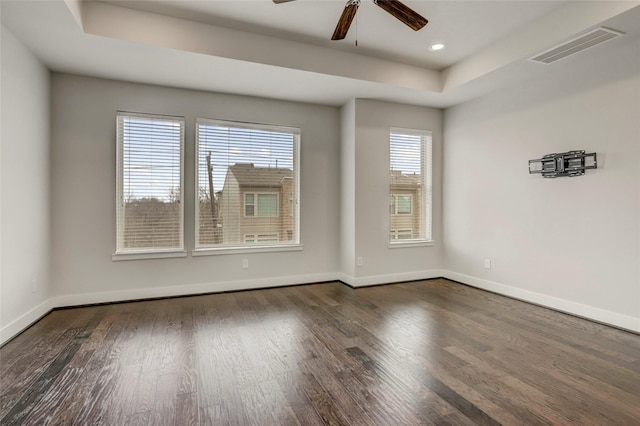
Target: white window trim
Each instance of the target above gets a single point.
(148, 255)
(246, 248)
(138, 254)
(411, 243)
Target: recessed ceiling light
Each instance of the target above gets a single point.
(437, 46)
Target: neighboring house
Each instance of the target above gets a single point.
(257, 205)
(405, 206)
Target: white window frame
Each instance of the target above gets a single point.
(426, 207)
(250, 248)
(255, 203)
(122, 253)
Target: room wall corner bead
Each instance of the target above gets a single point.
(570, 163)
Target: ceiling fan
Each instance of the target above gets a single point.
(396, 8)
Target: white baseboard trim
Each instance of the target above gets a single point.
(188, 289)
(347, 279)
(15, 327)
(18, 325)
(371, 280)
(585, 311)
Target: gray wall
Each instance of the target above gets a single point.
(570, 243)
(373, 120)
(83, 190)
(24, 177)
(348, 191)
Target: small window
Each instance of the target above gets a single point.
(290, 206)
(410, 185)
(401, 234)
(267, 204)
(401, 204)
(249, 206)
(264, 205)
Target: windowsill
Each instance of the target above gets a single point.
(245, 249)
(407, 244)
(139, 255)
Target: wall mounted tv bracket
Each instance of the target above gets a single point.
(572, 163)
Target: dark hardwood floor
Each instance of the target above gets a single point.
(428, 352)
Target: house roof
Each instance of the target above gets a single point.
(249, 175)
(400, 180)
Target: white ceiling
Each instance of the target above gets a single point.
(465, 26)
(283, 51)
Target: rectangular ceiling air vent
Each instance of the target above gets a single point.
(578, 44)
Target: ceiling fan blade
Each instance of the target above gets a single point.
(403, 12)
(345, 20)
(281, 1)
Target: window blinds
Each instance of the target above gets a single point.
(247, 182)
(149, 183)
(410, 185)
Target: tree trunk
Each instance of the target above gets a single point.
(213, 202)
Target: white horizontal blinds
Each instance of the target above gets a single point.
(150, 183)
(410, 185)
(247, 184)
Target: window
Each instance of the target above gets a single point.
(267, 204)
(400, 204)
(260, 238)
(409, 186)
(247, 180)
(149, 208)
(400, 234)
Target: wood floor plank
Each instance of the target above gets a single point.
(291, 388)
(28, 376)
(354, 413)
(43, 412)
(322, 402)
(91, 358)
(187, 411)
(24, 362)
(430, 352)
(186, 350)
(165, 400)
(138, 419)
(505, 383)
(124, 395)
(46, 374)
(401, 376)
(95, 407)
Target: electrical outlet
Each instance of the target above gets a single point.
(245, 263)
(359, 261)
(487, 264)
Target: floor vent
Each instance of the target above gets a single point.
(578, 44)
